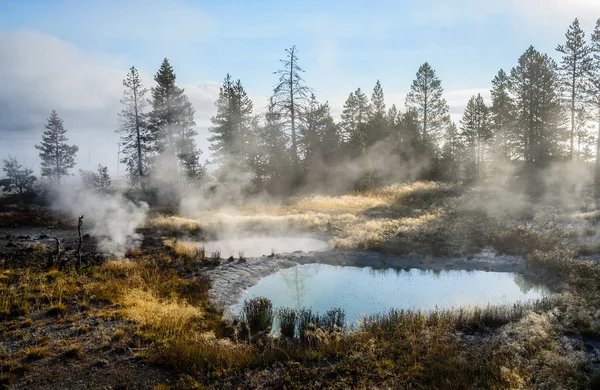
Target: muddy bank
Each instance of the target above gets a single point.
(230, 279)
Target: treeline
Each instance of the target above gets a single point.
(540, 113)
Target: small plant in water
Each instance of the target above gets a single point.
(241, 256)
(287, 318)
(258, 314)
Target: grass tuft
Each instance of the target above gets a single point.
(258, 314)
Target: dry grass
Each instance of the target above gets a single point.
(168, 317)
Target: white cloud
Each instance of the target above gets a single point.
(39, 73)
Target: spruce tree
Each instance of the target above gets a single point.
(502, 117)
(57, 156)
(349, 118)
(539, 115)
(426, 97)
(232, 140)
(136, 138)
(290, 95)
(576, 65)
(409, 142)
(171, 123)
(475, 130)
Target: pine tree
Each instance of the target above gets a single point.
(409, 143)
(378, 128)
(357, 143)
(452, 153)
(136, 138)
(290, 95)
(171, 122)
(274, 158)
(502, 117)
(57, 157)
(349, 119)
(426, 97)
(539, 122)
(583, 138)
(232, 142)
(319, 138)
(575, 67)
(475, 130)
(18, 178)
(392, 118)
(594, 96)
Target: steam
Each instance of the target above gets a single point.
(113, 218)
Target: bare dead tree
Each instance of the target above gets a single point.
(79, 225)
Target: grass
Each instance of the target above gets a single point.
(37, 353)
(73, 352)
(170, 321)
(258, 314)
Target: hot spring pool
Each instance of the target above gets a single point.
(364, 290)
(263, 245)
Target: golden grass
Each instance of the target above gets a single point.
(169, 317)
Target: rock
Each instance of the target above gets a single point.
(43, 236)
(10, 245)
(23, 237)
(8, 236)
(86, 236)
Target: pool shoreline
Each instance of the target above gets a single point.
(231, 278)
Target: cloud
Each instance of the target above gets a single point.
(39, 73)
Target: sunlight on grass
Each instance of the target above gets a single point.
(168, 317)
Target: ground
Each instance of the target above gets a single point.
(154, 318)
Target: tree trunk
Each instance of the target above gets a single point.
(597, 171)
(138, 141)
(573, 110)
(293, 117)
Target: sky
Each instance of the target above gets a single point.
(72, 55)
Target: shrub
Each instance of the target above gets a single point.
(287, 318)
(335, 317)
(258, 314)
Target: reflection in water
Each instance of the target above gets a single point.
(365, 290)
(263, 245)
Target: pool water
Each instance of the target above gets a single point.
(263, 245)
(365, 290)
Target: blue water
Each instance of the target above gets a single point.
(364, 290)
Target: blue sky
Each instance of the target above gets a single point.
(72, 55)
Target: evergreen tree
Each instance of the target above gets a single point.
(535, 86)
(392, 118)
(136, 138)
(409, 143)
(594, 96)
(97, 181)
(19, 178)
(358, 138)
(502, 117)
(290, 95)
(452, 154)
(426, 97)
(378, 125)
(57, 157)
(232, 143)
(475, 130)
(585, 147)
(575, 67)
(319, 137)
(171, 122)
(274, 160)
